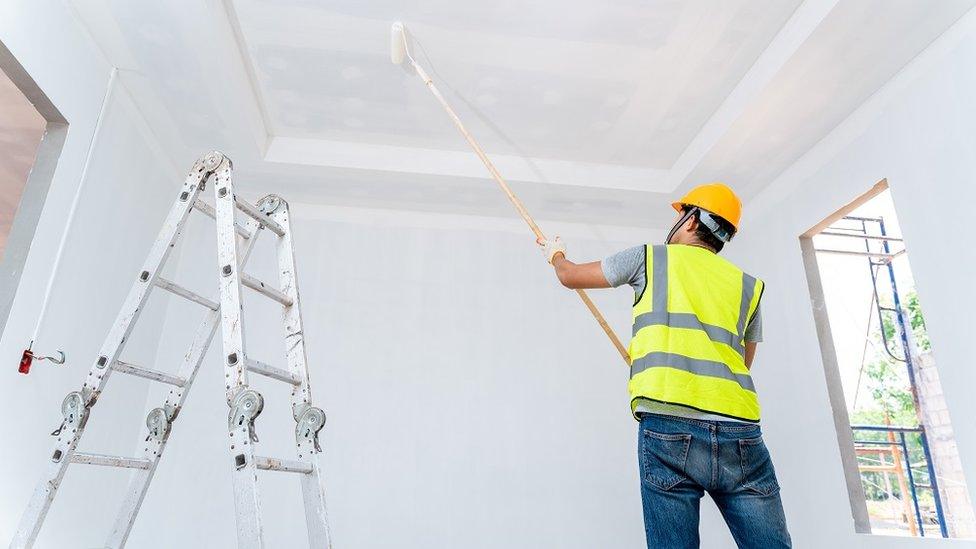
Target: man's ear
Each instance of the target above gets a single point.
(691, 225)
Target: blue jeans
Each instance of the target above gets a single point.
(681, 459)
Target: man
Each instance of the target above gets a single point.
(696, 326)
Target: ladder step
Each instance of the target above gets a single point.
(259, 367)
(263, 288)
(208, 210)
(110, 461)
(256, 215)
(175, 288)
(862, 236)
(147, 373)
(284, 465)
(884, 257)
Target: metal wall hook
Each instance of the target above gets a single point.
(51, 358)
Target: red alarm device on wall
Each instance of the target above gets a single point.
(27, 359)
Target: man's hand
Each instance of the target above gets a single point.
(571, 275)
(550, 248)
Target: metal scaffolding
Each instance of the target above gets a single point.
(872, 229)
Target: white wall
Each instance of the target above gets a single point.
(917, 132)
(472, 401)
(128, 188)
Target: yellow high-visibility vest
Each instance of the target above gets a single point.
(688, 344)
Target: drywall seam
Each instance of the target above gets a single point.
(46, 299)
(152, 139)
(145, 128)
(148, 133)
(240, 45)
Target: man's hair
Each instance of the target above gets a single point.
(704, 234)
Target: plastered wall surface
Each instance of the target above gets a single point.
(916, 132)
(472, 401)
(126, 194)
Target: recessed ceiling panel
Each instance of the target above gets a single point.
(622, 83)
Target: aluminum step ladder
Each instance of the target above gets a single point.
(235, 240)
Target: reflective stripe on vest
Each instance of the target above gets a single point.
(688, 343)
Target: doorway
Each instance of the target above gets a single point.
(32, 132)
(901, 462)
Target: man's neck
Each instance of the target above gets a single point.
(696, 244)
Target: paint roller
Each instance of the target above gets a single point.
(400, 52)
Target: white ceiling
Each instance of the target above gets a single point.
(625, 83)
(857, 47)
(596, 112)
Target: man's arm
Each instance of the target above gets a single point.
(625, 267)
(750, 352)
(579, 276)
(753, 335)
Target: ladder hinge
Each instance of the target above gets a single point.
(245, 408)
(269, 204)
(310, 422)
(159, 422)
(74, 408)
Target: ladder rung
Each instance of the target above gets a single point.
(261, 218)
(879, 255)
(259, 367)
(175, 288)
(263, 288)
(284, 465)
(147, 373)
(863, 236)
(110, 461)
(209, 211)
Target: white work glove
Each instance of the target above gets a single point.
(551, 247)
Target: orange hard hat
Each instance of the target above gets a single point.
(716, 198)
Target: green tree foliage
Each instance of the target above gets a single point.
(885, 380)
(918, 322)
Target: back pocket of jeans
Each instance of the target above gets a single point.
(663, 458)
(757, 468)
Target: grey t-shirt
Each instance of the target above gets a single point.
(627, 267)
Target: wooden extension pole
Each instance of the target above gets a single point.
(517, 203)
